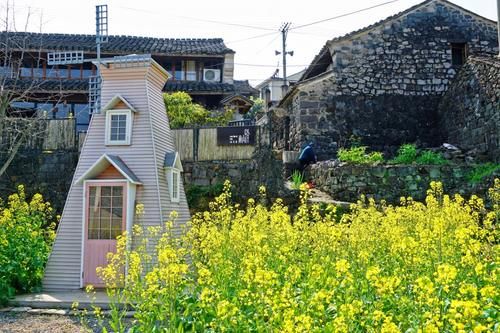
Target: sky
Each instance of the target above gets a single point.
(250, 28)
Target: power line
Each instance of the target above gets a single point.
(267, 45)
(253, 37)
(202, 19)
(343, 15)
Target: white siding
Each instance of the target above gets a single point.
(151, 139)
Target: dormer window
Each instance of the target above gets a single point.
(118, 121)
(118, 127)
(173, 169)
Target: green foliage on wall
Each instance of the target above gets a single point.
(431, 158)
(183, 112)
(481, 171)
(358, 155)
(409, 154)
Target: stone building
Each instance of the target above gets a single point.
(381, 86)
(469, 112)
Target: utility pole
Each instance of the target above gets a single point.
(284, 32)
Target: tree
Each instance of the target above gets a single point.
(16, 128)
(257, 109)
(182, 112)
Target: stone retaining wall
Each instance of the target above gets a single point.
(391, 182)
(245, 175)
(46, 172)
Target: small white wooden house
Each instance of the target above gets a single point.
(128, 158)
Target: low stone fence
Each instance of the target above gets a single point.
(347, 182)
(245, 175)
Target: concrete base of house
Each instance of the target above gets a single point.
(62, 300)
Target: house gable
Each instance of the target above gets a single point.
(118, 102)
(103, 164)
(418, 12)
(110, 173)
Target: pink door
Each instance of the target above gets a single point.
(105, 220)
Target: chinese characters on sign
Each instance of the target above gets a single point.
(241, 135)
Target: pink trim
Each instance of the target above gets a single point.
(95, 250)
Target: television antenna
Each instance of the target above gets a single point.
(77, 57)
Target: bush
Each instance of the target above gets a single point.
(431, 158)
(481, 171)
(198, 197)
(407, 154)
(26, 234)
(430, 266)
(182, 112)
(358, 155)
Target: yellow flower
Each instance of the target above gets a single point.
(342, 266)
(139, 209)
(446, 274)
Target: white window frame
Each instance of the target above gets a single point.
(128, 130)
(171, 172)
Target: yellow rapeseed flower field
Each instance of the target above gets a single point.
(416, 267)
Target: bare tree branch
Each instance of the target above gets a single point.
(19, 130)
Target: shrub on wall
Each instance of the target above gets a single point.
(409, 154)
(358, 155)
(430, 266)
(482, 170)
(26, 235)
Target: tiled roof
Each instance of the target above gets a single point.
(117, 44)
(198, 87)
(239, 86)
(82, 86)
(243, 87)
(49, 86)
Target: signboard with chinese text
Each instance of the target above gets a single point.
(237, 135)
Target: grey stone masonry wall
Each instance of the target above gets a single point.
(384, 84)
(470, 110)
(246, 176)
(48, 173)
(391, 182)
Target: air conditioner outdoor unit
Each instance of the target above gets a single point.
(211, 75)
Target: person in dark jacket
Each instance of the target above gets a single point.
(307, 156)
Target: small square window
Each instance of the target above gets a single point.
(458, 53)
(118, 127)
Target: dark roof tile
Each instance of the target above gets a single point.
(49, 86)
(117, 44)
(239, 86)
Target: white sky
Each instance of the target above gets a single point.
(181, 19)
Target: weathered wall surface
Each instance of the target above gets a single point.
(49, 173)
(384, 84)
(245, 175)
(470, 109)
(391, 182)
